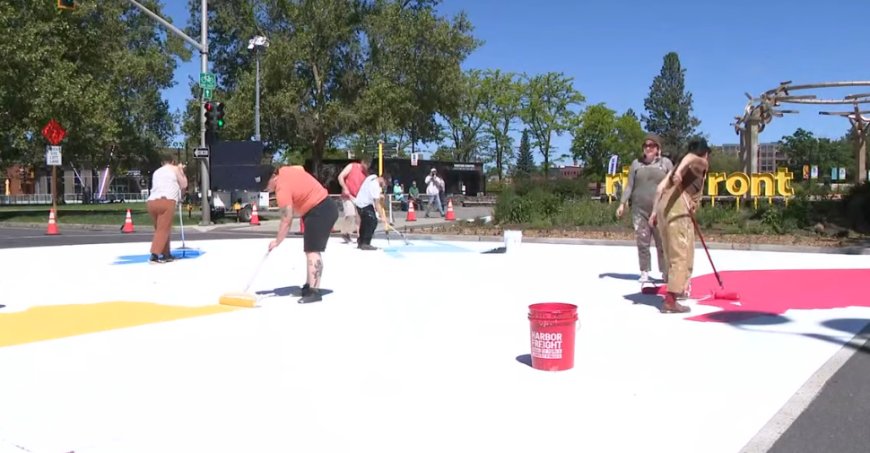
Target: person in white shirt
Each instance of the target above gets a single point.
(434, 187)
(367, 202)
(167, 184)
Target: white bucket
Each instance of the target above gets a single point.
(512, 239)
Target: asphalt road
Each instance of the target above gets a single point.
(837, 419)
(15, 237)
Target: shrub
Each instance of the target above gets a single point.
(564, 189)
(856, 207)
(586, 212)
(534, 206)
(720, 215)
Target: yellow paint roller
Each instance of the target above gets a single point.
(243, 299)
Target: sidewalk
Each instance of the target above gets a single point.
(399, 220)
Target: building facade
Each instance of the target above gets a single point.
(770, 157)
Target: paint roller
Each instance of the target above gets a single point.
(720, 294)
(243, 299)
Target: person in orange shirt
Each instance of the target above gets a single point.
(300, 194)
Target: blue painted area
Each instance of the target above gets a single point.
(179, 254)
(399, 251)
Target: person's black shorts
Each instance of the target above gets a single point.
(319, 222)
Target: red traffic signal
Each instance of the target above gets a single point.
(209, 116)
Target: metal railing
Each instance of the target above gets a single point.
(71, 198)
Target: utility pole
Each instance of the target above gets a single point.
(202, 46)
(257, 104)
(256, 45)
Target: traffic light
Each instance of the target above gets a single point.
(209, 116)
(66, 4)
(220, 115)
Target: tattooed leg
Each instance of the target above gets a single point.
(315, 269)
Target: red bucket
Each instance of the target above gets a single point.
(552, 337)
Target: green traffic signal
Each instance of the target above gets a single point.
(220, 115)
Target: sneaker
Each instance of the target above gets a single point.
(169, 258)
(644, 277)
(310, 295)
(155, 259)
(366, 247)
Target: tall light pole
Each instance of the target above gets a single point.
(202, 46)
(255, 44)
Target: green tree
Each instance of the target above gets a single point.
(336, 71)
(803, 148)
(465, 118)
(602, 134)
(628, 138)
(525, 160)
(723, 162)
(413, 69)
(669, 106)
(546, 109)
(594, 139)
(98, 70)
(501, 110)
(445, 153)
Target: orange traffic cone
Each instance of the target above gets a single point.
(412, 215)
(128, 224)
(52, 224)
(255, 218)
(450, 214)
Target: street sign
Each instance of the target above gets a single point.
(53, 156)
(53, 132)
(207, 81)
(206, 94)
(201, 153)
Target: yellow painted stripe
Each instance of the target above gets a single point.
(58, 321)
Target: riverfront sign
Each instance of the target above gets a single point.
(738, 184)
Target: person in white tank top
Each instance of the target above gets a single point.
(167, 185)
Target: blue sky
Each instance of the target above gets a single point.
(614, 49)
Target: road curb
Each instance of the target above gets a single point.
(856, 250)
(848, 250)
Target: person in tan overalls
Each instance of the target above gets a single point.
(677, 197)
